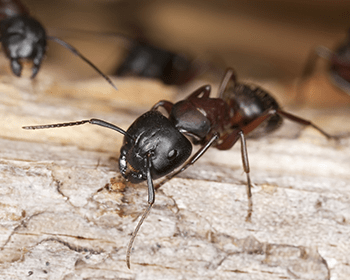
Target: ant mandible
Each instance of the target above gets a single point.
(23, 37)
(155, 145)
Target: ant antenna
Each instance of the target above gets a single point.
(77, 53)
(91, 121)
(133, 236)
(151, 199)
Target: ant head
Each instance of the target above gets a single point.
(23, 37)
(156, 136)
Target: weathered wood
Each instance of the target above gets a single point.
(66, 213)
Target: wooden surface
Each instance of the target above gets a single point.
(66, 213)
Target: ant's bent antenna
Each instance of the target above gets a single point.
(91, 121)
(77, 53)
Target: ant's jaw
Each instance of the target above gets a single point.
(129, 173)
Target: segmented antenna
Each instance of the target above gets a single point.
(91, 121)
(133, 236)
(77, 53)
(151, 199)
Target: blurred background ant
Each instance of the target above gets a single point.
(145, 60)
(233, 33)
(24, 38)
(338, 67)
(148, 61)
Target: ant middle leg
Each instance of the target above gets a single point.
(227, 143)
(245, 162)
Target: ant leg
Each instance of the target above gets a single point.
(245, 162)
(151, 199)
(193, 159)
(227, 143)
(16, 67)
(163, 103)
(310, 64)
(37, 61)
(252, 125)
(204, 89)
(229, 75)
(304, 122)
(309, 69)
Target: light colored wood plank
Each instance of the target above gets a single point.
(63, 216)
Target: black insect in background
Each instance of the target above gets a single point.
(338, 64)
(24, 38)
(148, 61)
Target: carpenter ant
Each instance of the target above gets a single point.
(339, 64)
(23, 37)
(146, 60)
(155, 145)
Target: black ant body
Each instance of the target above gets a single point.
(339, 64)
(148, 61)
(155, 145)
(24, 38)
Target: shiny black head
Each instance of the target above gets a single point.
(23, 37)
(155, 135)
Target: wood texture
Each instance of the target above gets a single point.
(66, 213)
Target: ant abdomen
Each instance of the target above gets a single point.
(249, 103)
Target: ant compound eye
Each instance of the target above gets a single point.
(172, 154)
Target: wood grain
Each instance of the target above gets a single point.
(66, 213)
